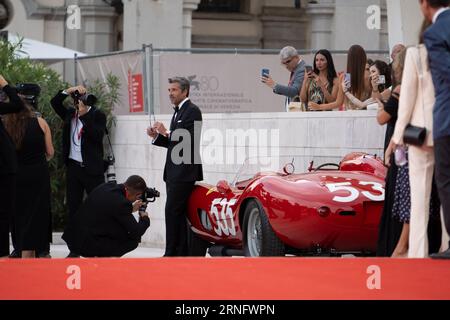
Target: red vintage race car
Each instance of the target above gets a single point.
(330, 209)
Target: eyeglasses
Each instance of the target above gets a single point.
(286, 62)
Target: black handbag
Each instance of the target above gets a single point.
(414, 135)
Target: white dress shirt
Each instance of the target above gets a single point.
(438, 13)
(76, 131)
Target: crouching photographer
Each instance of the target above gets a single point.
(104, 225)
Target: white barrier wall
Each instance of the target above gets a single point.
(323, 136)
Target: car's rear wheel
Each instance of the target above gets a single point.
(259, 237)
(196, 246)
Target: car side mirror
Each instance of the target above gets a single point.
(289, 169)
(223, 187)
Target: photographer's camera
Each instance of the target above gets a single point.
(149, 195)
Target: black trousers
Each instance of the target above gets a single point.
(176, 210)
(79, 181)
(7, 199)
(442, 173)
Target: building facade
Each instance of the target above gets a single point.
(112, 25)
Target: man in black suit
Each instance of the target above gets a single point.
(104, 226)
(82, 143)
(8, 165)
(183, 164)
(437, 41)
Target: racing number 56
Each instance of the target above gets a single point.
(354, 193)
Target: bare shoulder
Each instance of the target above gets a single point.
(43, 124)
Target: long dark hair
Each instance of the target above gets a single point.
(16, 123)
(331, 70)
(385, 70)
(356, 66)
(423, 28)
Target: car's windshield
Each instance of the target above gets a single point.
(300, 164)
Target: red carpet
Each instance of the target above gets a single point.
(225, 278)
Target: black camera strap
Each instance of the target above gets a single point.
(110, 145)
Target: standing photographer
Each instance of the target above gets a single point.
(104, 226)
(82, 142)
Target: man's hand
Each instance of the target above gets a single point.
(136, 205)
(267, 80)
(151, 132)
(3, 82)
(143, 214)
(81, 90)
(160, 128)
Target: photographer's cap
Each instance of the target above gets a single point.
(28, 89)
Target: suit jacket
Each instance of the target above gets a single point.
(94, 125)
(8, 160)
(104, 225)
(183, 167)
(417, 95)
(437, 41)
(293, 89)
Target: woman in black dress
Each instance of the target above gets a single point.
(32, 138)
(8, 163)
(390, 229)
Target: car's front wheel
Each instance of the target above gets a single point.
(259, 237)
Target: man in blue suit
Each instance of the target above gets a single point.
(296, 66)
(437, 41)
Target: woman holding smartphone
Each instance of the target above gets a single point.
(355, 92)
(381, 80)
(321, 82)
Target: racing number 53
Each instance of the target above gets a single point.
(354, 193)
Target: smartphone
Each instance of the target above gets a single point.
(264, 72)
(381, 79)
(348, 79)
(308, 69)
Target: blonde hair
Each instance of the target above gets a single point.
(397, 68)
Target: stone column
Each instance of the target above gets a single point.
(96, 32)
(188, 7)
(152, 22)
(97, 28)
(321, 18)
(350, 25)
(284, 26)
(404, 22)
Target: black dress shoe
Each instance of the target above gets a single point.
(15, 254)
(43, 254)
(442, 255)
(73, 255)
